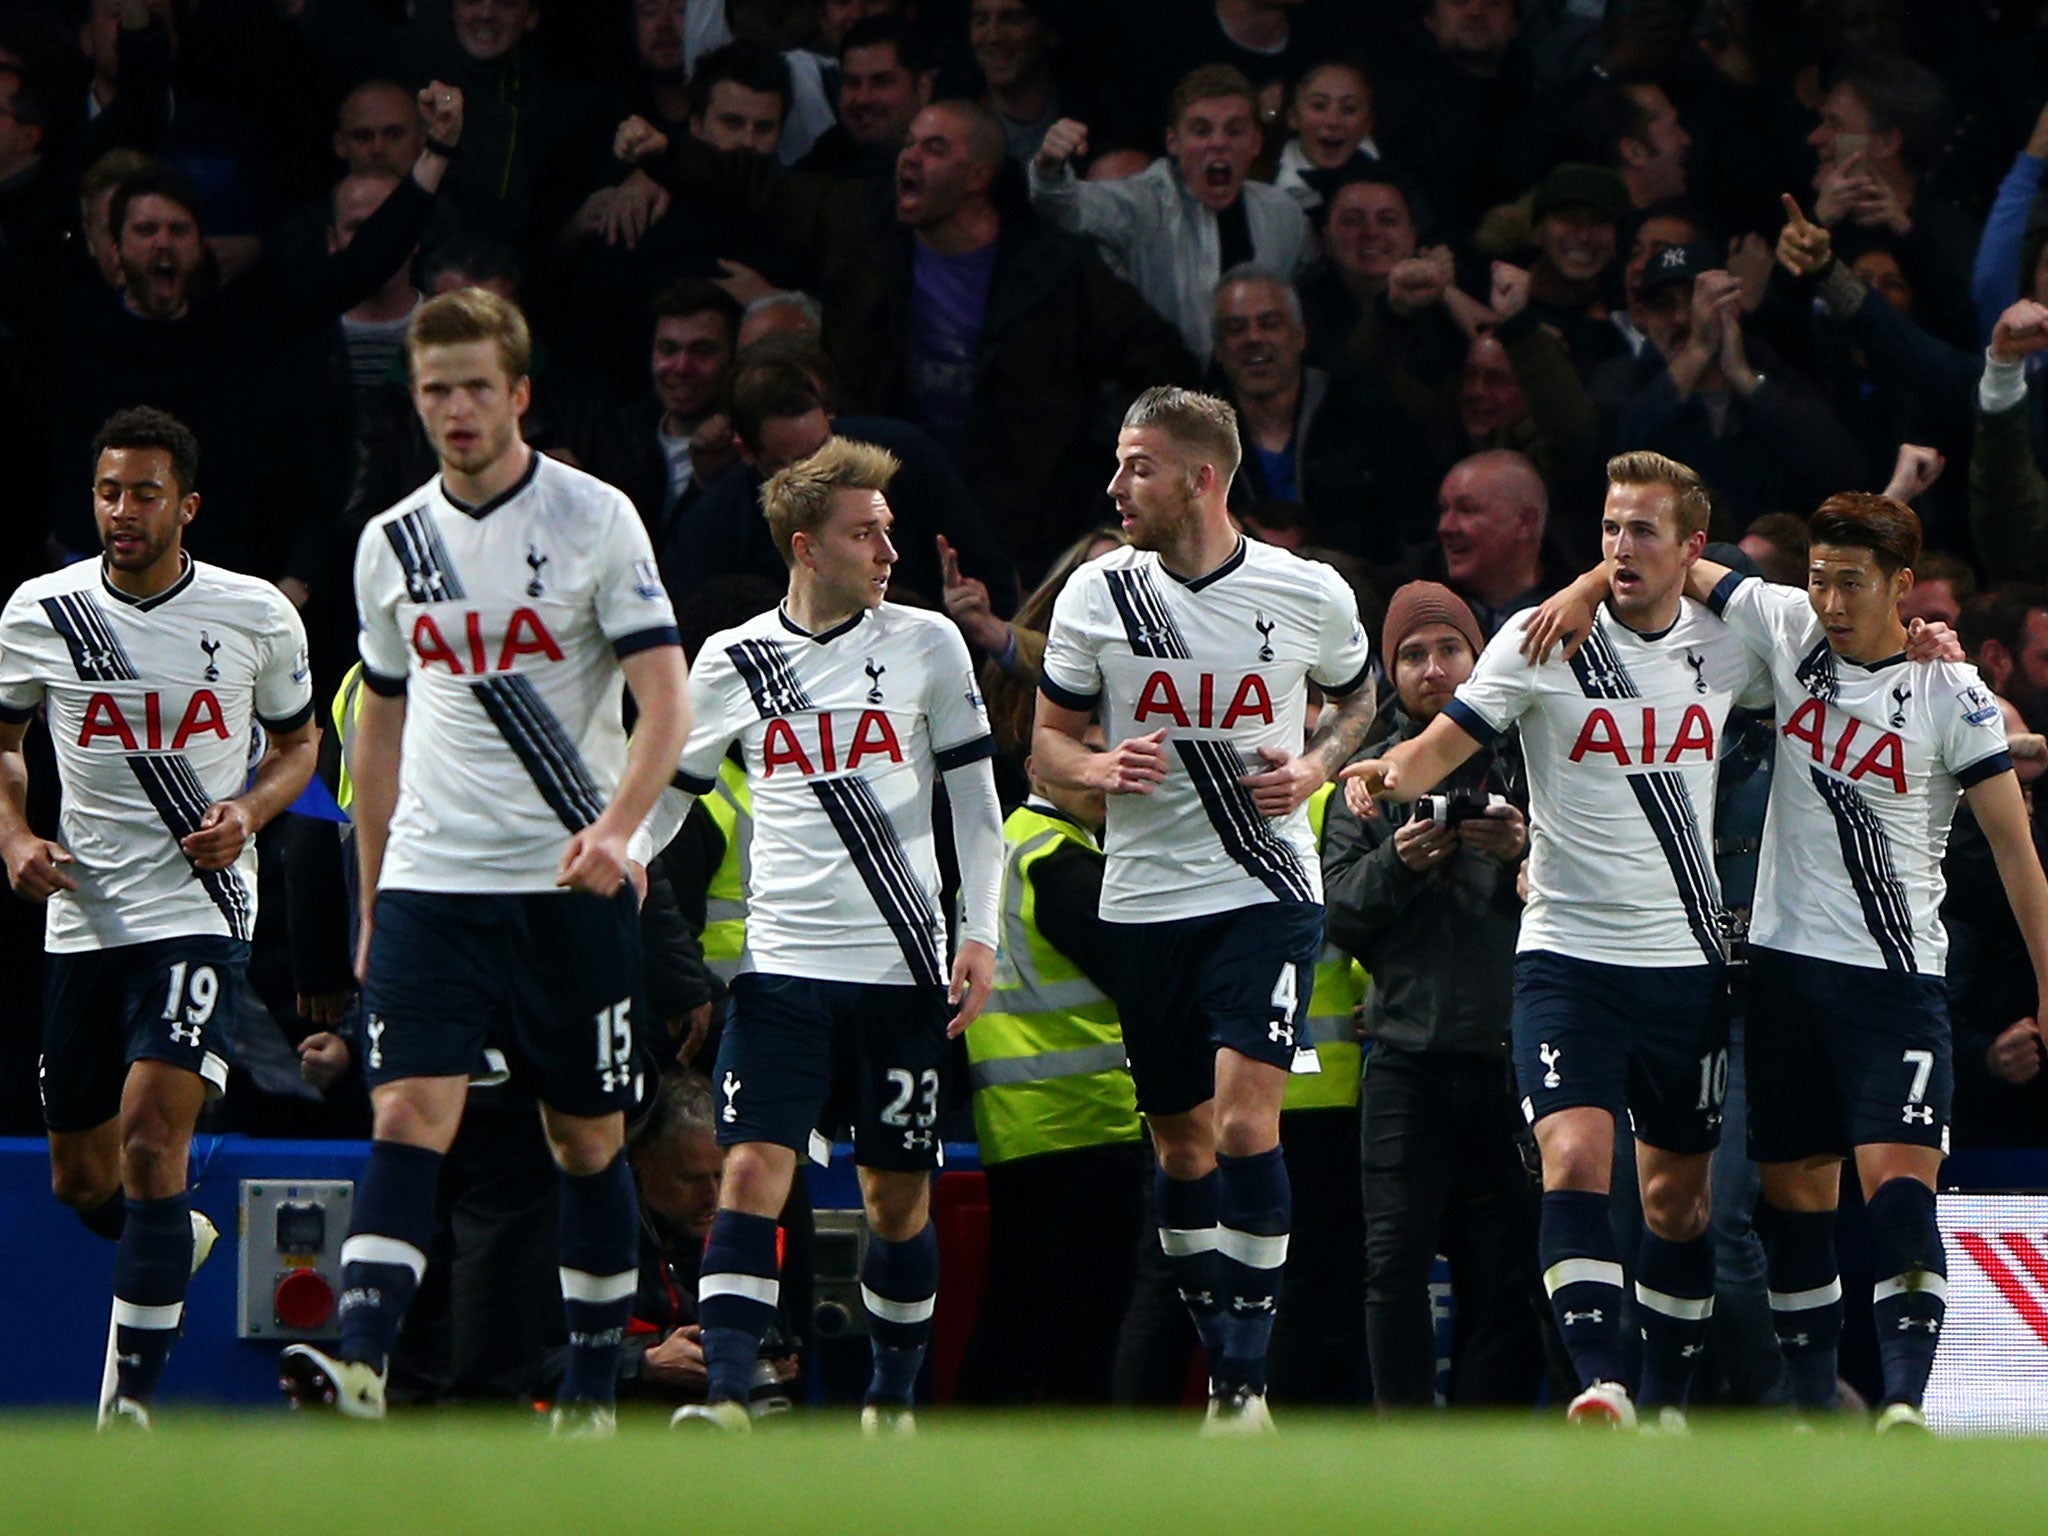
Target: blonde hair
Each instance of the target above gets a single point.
(1691, 502)
(471, 314)
(1201, 424)
(799, 499)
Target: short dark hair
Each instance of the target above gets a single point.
(766, 392)
(800, 349)
(1606, 117)
(31, 98)
(1207, 82)
(1898, 93)
(1889, 529)
(1786, 533)
(478, 258)
(2001, 615)
(913, 48)
(697, 296)
(1350, 63)
(751, 66)
(1940, 565)
(144, 426)
(153, 180)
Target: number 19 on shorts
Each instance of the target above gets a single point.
(189, 1000)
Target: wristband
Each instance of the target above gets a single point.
(440, 147)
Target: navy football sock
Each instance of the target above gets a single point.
(1674, 1300)
(1910, 1299)
(105, 1219)
(152, 1268)
(737, 1293)
(1806, 1299)
(899, 1283)
(385, 1254)
(1253, 1216)
(1583, 1279)
(1186, 1212)
(598, 1249)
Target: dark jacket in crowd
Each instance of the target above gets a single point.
(1780, 450)
(1440, 945)
(723, 532)
(1059, 326)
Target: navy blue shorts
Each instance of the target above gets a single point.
(1843, 1056)
(796, 1051)
(1231, 980)
(548, 978)
(1651, 1042)
(165, 1000)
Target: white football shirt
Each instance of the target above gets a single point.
(504, 626)
(152, 705)
(1222, 663)
(1623, 747)
(842, 734)
(1871, 761)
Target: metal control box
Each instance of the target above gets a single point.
(288, 1281)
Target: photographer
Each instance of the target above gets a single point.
(1428, 904)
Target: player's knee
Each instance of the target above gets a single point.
(581, 1150)
(1575, 1162)
(897, 1210)
(1183, 1157)
(752, 1182)
(151, 1155)
(1246, 1131)
(81, 1185)
(1675, 1209)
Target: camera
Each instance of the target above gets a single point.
(1452, 806)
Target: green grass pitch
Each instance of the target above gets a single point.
(974, 1475)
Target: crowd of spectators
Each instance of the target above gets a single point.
(1444, 256)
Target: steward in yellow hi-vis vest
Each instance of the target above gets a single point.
(1056, 1116)
(1046, 1058)
(1332, 1013)
(730, 805)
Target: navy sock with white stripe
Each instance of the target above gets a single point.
(1583, 1278)
(1674, 1300)
(152, 1268)
(385, 1254)
(1806, 1299)
(598, 1250)
(1186, 1212)
(1254, 1211)
(737, 1292)
(1910, 1300)
(899, 1283)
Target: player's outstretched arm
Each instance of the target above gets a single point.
(1409, 770)
(596, 858)
(1287, 780)
(1134, 766)
(2001, 811)
(34, 864)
